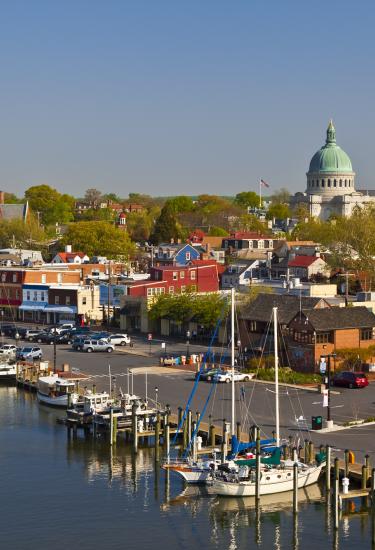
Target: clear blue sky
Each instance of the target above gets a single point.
(182, 96)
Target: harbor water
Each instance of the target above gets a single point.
(61, 493)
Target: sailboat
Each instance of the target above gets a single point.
(192, 469)
(240, 480)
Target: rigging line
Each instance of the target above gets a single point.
(225, 351)
(297, 392)
(248, 414)
(195, 386)
(214, 383)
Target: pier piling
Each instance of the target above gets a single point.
(157, 438)
(257, 466)
(135, 427)
(295, 488)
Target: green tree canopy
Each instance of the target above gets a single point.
(247, 199)
(217, 232)
(22, 235)
(167, 226)
(281, 196)
(99, 238)
(139, 225)
(53, 206)
(279, 211)
(181, 204)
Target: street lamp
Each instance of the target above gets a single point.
(187, 345)
(327, 380)
(156, 396)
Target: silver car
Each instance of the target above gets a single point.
(97, 345)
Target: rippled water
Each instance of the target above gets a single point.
(60, 494)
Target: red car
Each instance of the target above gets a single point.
(350, 380)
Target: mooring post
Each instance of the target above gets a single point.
(364, 477)
(197, 416)
(238, 433)
(336, 495)
(223, 442)
(346, 458)
(295, 488)
(212, 436)
(114, 436)
(165, 426)
(189, 426)
(257, 466)
(179, 416)
(167, 440)
(135, 427)
(290, 438)
(328, 470)
(311, 452)
(185, 434)
(251, 434)
(194, 426)
(157, 437)
(368, 467)
(94, 388)
(306, 451)
(111, 426)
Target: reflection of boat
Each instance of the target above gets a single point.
(7, 373)
(55, 391)
(268, 503)
(190, 493)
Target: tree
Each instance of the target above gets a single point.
(281, 196)
(217, 232)
(279, 211)
(181, 204)
(249, 222)
(139, 225)
(166, 226)
(21, 235)
(99, 238)
(93, 196)
(52, 206)
(247, 199)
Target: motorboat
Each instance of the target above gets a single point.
(56, 391)
(8, 373)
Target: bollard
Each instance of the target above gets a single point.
(238, 431)
(157, 437)
(295, 488)
(346, 458)
(345, 485)
(328, 470)
(364, 477)
(257, 466)
(135, 427)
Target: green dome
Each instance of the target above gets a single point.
(331, 158)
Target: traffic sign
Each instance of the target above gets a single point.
(323, 366)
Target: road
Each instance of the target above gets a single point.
(175, 388)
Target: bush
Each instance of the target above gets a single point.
(286, 375)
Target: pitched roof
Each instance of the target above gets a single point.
(303, 261)
(13, 211)
(340, 318)
(288, 306)
(248, 235)
(70, 255)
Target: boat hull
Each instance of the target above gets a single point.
(190, 474)
(277, 483)
(57, 401)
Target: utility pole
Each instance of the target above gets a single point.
(109, 295)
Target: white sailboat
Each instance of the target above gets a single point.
(241, 480)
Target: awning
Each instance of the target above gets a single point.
(61, 309)
(32, 307)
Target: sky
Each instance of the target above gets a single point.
(170, 97)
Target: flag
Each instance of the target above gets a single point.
(264, 183)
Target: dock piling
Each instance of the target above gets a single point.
(328, 470)
(257, 466)
(346, 458)
(157, 437)
(111, 426)
(295, 487)
(135, 427)
(336, 495)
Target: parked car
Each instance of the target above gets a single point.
(78, 343)
(30, 334)
(29, 354)
(119, 339)
(207, 375)
(8, 349)
(238, 376)
(51, 338)
(97, 345)
(350, 380)
(99, 335)
(8, 330)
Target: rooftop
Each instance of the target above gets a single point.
(288, 306)
(303, 261)
(340, 318)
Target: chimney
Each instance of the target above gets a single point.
(2, 197)
(68, 248)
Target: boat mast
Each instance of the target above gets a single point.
(276, 376)
(232, 361)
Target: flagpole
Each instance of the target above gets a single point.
(260, 193)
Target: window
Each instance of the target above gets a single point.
(366, 334)
(182, 274)
(3, 277)
(42, 296)
(340, 183)
(323, 183)
(35, 297)
(329, 183)
(59, 277)
(149, 291)
(17, 294)
(57, 300)
(183, 289)
(193, 275)
(346, 183)
(171, 290)
(44, 278)
(322, 338)
(67, 300)
(28, 295)
(225, 244)
(83, 300)
(175, 275)
(334, 183)
(14, 277)
(187, 256)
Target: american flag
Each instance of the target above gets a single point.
(264, 183)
